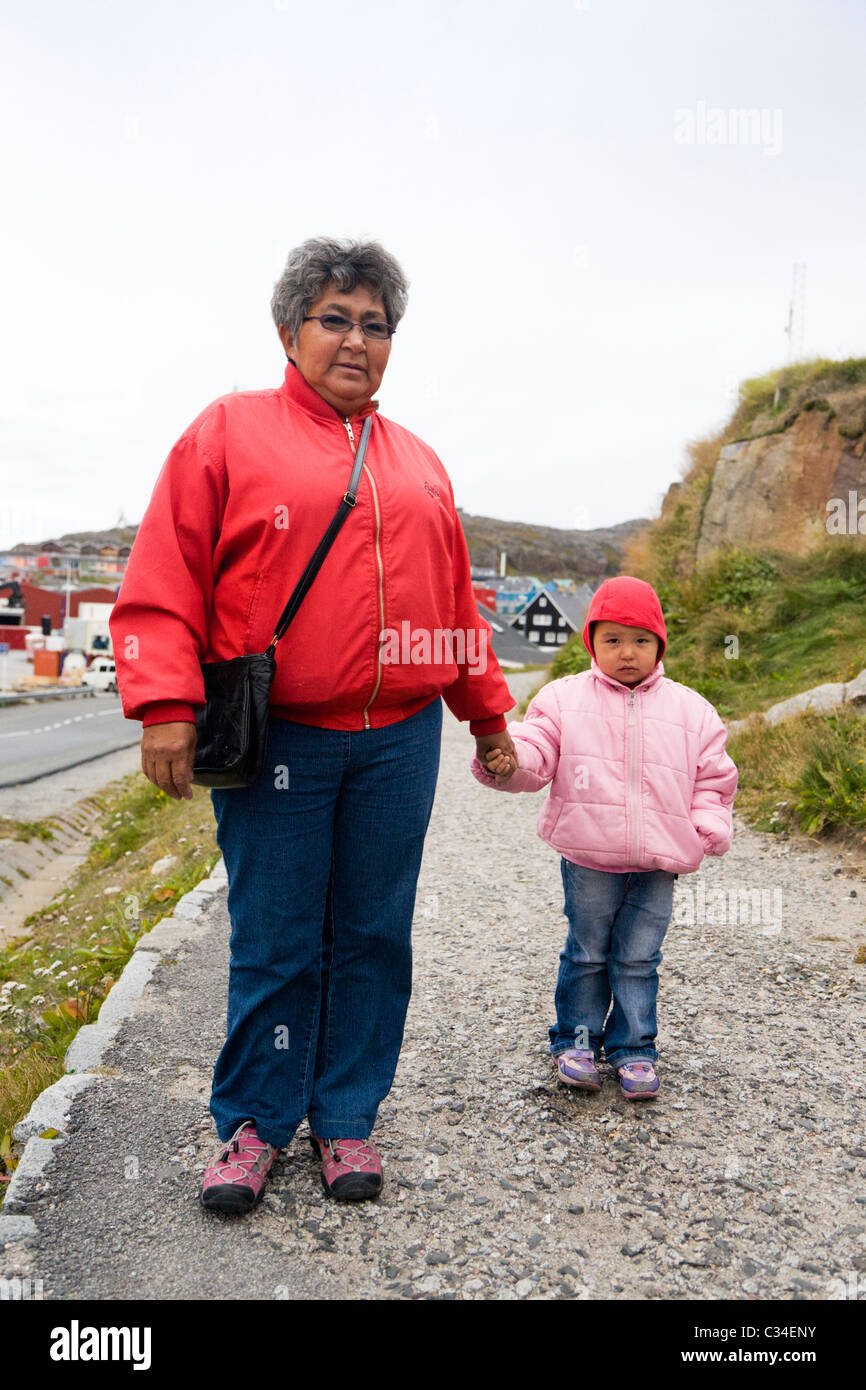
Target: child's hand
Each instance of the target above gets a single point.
(499, 763)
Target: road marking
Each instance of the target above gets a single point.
(46, 728)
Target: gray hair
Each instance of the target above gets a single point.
(321, 261)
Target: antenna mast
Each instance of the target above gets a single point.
(796, 324)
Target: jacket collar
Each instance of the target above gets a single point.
(646, 684)
(299, 390)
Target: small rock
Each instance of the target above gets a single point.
(162, 866)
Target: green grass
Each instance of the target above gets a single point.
(55, 979)
(752, 629)
(797, 622)
(771, 403)
(805, 775)
(25, 829)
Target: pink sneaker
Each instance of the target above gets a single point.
(234, 1180)
(351, 1168)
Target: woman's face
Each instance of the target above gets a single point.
(345, 369)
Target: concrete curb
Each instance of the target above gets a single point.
(50, 1109)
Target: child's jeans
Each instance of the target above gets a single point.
(616, 925)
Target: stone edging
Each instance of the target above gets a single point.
(50, 1109)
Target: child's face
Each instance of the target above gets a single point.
(626, 653)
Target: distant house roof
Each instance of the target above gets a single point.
(519, 582)
(573, 607)
(509, 648)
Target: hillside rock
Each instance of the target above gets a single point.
(547, 551)
(820, 697)
(774, 491)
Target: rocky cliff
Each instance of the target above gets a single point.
(786, 472)
(782, 491)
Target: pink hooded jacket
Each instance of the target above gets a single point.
(640, 779)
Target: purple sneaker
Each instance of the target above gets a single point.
(576, 1067)
(234, 1180)
(638, 1080)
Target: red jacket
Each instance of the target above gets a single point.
(237, 511)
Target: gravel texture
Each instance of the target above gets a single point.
(744, 1179)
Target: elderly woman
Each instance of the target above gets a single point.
(323, 850)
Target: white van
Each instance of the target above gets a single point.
(101, 674)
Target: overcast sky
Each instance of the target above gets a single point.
(597, 254)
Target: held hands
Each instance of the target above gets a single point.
(497, 754)
(167, 755)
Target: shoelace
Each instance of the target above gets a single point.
(253, 1151)
(363, 1153)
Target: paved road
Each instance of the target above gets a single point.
(52, 735)
(744, 1180)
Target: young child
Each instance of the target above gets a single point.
(641, 789)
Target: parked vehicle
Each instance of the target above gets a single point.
(101, 674)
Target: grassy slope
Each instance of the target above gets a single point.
(755, 627)
(55, 981)
(752, 629)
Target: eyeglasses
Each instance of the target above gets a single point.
(336, 323)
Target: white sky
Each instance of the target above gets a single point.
(586, 291)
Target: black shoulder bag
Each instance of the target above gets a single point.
(232, 725)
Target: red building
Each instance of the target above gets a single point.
(485, 596)
(53, 602)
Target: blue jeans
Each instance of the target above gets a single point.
(616, 925)
(322, 855)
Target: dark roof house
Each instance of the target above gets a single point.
(509, 648)
(550, 619)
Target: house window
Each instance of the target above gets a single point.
(550, 636)
(534, 636)
(543, 620)
(542, 602)
(561, 622)
(562, 637)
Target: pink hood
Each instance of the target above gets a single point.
(629, 601)
(639, 778)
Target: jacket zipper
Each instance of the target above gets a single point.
(347, 422)
(633, 783)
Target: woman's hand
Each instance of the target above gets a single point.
(167, 755)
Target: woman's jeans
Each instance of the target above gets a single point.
(322, 855)
(616, 925)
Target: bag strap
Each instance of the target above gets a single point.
(321, 550)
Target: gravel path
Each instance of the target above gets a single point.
(744, 1179)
